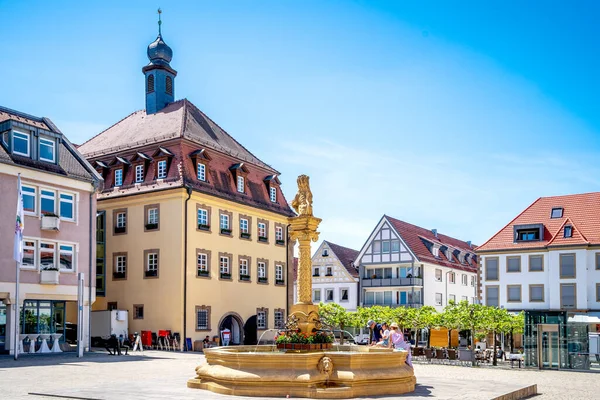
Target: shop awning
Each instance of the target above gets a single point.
(591, 318)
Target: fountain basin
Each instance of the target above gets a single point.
(342, 372)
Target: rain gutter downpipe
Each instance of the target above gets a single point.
(185, 257)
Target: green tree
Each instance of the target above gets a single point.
(336, 316)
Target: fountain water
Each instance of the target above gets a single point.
(341, 372)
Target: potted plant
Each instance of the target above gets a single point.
(225, 231)
(263, 239)
(245, 235)
(263, 279)
(150, 227)
(279, 281)
(49, 275)
(225, 275)
(203, 227)
(50, 221)
(244, 277)
(202, 273)
(280, 242)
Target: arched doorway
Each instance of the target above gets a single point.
(234, 323)
(250, 337)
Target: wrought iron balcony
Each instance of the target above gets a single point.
(378, 282)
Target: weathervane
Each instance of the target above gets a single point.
(159, 22)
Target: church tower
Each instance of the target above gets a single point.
(160, 77)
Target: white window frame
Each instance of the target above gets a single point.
(451, 297)
(224, 265)
(316, 291)
(243, 225)
(273, 194)
(261, 270)
(278, 272)
(262, 229)
(202, 262)
(278, 320)
(161, 169)
(278, 233)
(39, 254)
(121, 264)
(201, 175)
(452, 277)
(152, 262)
(72, 252)
(240, 184)
(327, 292)
(27, 137)
(46, 196)
(118, 177)
(34, 247)
(465, 280)
(153, 215)
(244, 266)
(35, 201)
(122, 220)
(71, 201)
(139, 173)
(473, 281)
(464, 298)
(438, 303)
(261, 320)
(342, 300)
(439, 278)
(202, 215)
(50, 143)
(224, 221)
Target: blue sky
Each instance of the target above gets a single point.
(448, 115)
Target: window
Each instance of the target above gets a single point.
(120, 267)
(121, 222)
(513, 264)
(597, 260)
(492, 296)
(138, 311)
(491, 269)
(279, 235)
(244, 268)
(261, 320)
(325, 253)
(316, 271)
(536, 293)
(240, 184)
(556, 212)
(67, 206)
(385, 246)
(438, 299)
(273, 194)
(568, 231)
(203, 318)
(464, 279)
(316, 295)
(28, 193)
(262, 270)
(568, 295)
(224, 267)
(162, 169)
(343, 294)
(536, 263)
(451, 297)
(452, 277)
(513, 293)
(47, 256)
(278, 273)
(150, 84)
(29, 254)
(20, 143)
(473, 281)
(151, 263)
(262, 232)
(151, 217)
(47, 150)
(118, 177)
(526, 235)
(201, 172)
(395, 246)
(567, 266)
(224, 218)
(438, 275)
(203, 219)
(464, 298)
(169, 85)
(328, 295)
(243, 225)
(329, 271)
(139, 173)
(48, 202)
(279, 321)
(598, 292)
(66, 257)
(202, 264)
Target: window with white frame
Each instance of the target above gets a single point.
(343, 294)
(20, 143)
(279, 272)
(118, 177)
(121, 264)
(473, 281)
(273, 194)
(279, 235)
(201, 319)
(438, 275)
(29, 254)
(201, 172)
(152, 262)
(67, 261)
(47, 255)
(279, 321)
(464, 298)
(262, 270)
(243, 225)
(244, 267)
(202, 264)
(328, 295)
(47, 150)
(225, 221)
(29, 199)
(240, 184)
(316, 295)
(452, 277)
(451, 297)
(161, 169)
(438, 299)
(262, 229)
(224, 265)
(121, 220)
(67, 206)
(139, 173)
(48, 201)
(261, 320)
(202, 217)
(153, 216)
(465, 279)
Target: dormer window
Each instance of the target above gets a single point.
(47, 150)
(557, 212)
(161, 169)
(240, 184)
(201, 172)
(273, 194)
(139, 173)
(568, 231)
(118, 177)
(528, 233)
(20, 144)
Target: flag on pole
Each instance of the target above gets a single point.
(18, 250)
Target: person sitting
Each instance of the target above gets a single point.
(385, 336)
(206, 342)
(112, 343)
(398, 343)
(123, 344)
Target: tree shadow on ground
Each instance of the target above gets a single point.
(44, 360)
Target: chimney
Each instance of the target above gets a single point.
(434, 231)
(469, 244)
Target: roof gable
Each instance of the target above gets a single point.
(345, 255)
(384, 231)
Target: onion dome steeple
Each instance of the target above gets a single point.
(160, 77)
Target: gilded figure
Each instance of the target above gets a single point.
(302, 203)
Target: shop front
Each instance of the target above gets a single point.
(45, 323)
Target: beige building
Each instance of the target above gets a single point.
(59, 207)
(192, 226)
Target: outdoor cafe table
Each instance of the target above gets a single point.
(515, 357)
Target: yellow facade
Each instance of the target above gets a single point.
(162, 297)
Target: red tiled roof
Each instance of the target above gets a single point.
(581, 211)
(415, 238)
(346, 257)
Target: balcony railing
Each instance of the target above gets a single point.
(377, 282)
(409, 305)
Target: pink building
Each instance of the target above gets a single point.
(58, 187)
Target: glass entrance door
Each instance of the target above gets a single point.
(548, 345)
(2, 327)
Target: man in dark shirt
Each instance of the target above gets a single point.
(376, 330)
(113, 344)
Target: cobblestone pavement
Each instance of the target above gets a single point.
(163, 375)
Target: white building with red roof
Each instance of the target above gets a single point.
(402, 264)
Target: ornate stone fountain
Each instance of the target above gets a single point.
(341, 372)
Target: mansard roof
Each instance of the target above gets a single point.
(346, 257)
(581, 211)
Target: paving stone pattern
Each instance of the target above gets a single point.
(163, 375)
